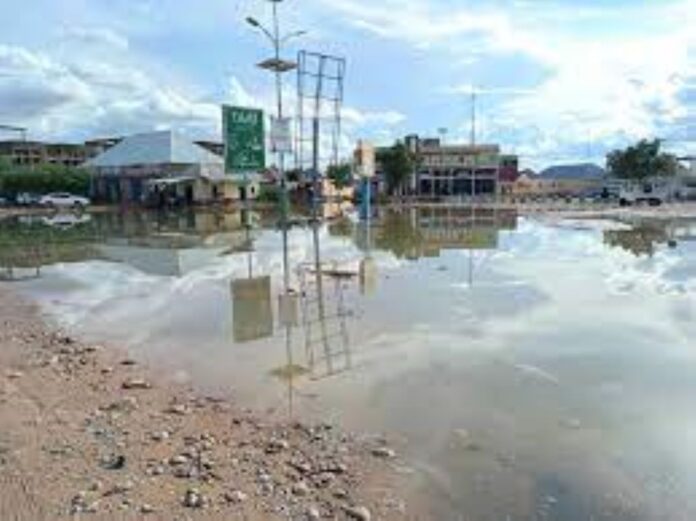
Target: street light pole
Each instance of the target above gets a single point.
(278, 66)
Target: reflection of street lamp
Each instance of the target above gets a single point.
(278, 66)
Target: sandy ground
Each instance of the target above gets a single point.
(86, 433)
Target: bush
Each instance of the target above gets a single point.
(44, 179)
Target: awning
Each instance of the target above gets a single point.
(168, 181)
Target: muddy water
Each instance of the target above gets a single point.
(529, 369)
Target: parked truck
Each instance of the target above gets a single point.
(651, 191)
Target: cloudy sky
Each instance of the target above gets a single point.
(558, 80)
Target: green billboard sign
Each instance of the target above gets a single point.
(243, 131)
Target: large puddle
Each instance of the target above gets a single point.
(535, 369)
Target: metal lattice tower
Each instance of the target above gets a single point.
(320, 99)
(325, 315)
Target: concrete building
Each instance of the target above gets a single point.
(454, 169)
(35, 153)
(508, 173)
(162, 168)
(460, 170)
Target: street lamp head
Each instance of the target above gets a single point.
(253, 22)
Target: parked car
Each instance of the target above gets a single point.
(64, 200)
(66, 220)
(3, 201)
(27, 199)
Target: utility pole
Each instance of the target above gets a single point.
(473, 143)
(279, 66)
(443, 133)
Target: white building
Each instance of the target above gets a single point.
(164, 166)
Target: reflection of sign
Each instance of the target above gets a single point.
(281, 138)
(244, 139)
(365, 159)
(288, 309)
(253, 313)
(368, 276)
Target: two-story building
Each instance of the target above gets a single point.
(444, 170)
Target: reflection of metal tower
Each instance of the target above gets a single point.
(325, 315)
(319, 97)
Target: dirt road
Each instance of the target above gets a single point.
(88, 433)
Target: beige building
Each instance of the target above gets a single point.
(35, 153)
(454, 169)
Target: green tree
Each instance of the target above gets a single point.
(44, 179)
(641, 161)
(341, 174)
(5, 165)
(398, 164)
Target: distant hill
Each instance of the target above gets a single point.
(577, 171)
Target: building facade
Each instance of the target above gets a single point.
(163, 168)
(457, 170)
(35, 153)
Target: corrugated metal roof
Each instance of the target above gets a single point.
(155, 148)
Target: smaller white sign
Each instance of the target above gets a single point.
(281, 135)
(364, 159)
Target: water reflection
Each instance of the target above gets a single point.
(480, 337)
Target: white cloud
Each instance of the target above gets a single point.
(103, 36)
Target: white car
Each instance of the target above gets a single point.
(64, 200)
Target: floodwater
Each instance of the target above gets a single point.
(528, 369)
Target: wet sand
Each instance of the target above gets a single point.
(87, 432)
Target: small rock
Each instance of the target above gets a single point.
(236, 496)
(128, 362)
(107, 370)
(14, 375)
(147, 509)
(313, 514)
(359, 513)
(160, 435)
(113, 462)
(300, 489)
(193, 499)
(179, 459)
(136, 383)
(383, 452)
(276, 446)
(178, 408)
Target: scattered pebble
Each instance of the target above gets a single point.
(276, 446)
(113, 462)
(300, 489)
(359, 513)
(383, 452)
(160, 435)
(236, 496)
(193, 498)
(136, 383)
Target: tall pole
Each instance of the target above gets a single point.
(473, 142)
